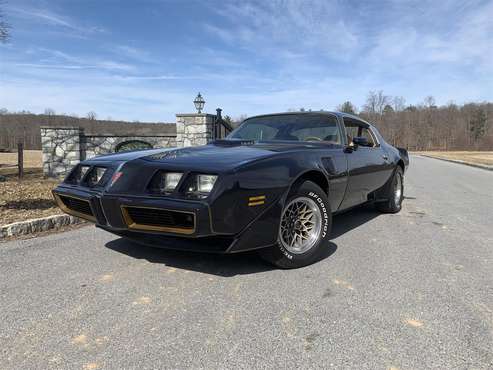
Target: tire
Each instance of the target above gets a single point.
(304, 228)
(394, 193)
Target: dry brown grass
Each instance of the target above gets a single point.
(25, 199)
(32, 159)
(468, 157)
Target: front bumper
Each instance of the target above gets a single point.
(119, 212)
(141, 218)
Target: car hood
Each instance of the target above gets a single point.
(224, 155)
(219, 156)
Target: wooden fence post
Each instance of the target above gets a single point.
(20, 159)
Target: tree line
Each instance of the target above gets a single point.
(426, 126)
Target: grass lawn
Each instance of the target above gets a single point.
(32, 159)
(469, 157)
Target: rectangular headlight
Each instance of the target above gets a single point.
(82, 172)
(96, 175)
(77, 174)
(169, 181)
(205, 183)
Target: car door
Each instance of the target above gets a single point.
(368, 166)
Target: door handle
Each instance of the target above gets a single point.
(385, 157)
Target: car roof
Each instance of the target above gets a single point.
(323, 112)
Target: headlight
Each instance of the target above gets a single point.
(81, 172)
(96, 175)
(205, 183)
(199, 186)
(77, 174)
(169, 181)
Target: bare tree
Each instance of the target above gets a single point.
(370, 106)
(430, 102)
(91, 116)
(398, 103)
(478, 124)
(376, 102)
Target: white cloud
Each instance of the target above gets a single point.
(286, 27)
(54, 19)
(47, 58)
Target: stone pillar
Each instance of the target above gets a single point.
(61, 149)
(194, 129)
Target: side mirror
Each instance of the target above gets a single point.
(360, 140)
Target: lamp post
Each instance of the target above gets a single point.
(199, 103)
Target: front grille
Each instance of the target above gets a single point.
(159, 219)
(77, 205)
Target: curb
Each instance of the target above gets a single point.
(37, 225)
(482, 166)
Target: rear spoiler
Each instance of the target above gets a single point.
(404, 156)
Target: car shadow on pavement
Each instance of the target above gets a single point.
(226, 265)
(347, 221)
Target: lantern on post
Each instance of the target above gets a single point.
(199, 103)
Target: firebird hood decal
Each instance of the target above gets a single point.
(224, 155)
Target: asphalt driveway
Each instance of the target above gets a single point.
(406, 291)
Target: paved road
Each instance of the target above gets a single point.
(406, 291)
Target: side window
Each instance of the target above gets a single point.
(366, 133)
(354, 129)
(351, 129)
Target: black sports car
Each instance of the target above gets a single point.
(273, 184)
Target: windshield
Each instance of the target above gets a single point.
(291, 127)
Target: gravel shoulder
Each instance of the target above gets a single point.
(471, 158)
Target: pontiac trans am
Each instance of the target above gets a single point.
(273, 184)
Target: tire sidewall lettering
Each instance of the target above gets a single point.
(323, 208)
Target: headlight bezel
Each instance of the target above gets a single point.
(190, 185)
(159, 180)
(96, 177)
(208, 182)
(170, 177)
(192, 189)
(90, 175)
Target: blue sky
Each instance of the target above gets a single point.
(146, 60)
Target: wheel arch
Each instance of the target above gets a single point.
(315, 176)
(402, 165)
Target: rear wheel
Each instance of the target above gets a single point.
(394, 193)
(304, 228)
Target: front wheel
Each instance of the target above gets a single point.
(304, 228)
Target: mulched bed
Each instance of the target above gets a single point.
(25, 199)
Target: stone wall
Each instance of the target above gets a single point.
(94, 145)
(194, 129)
(64, 147)
(61, 149)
